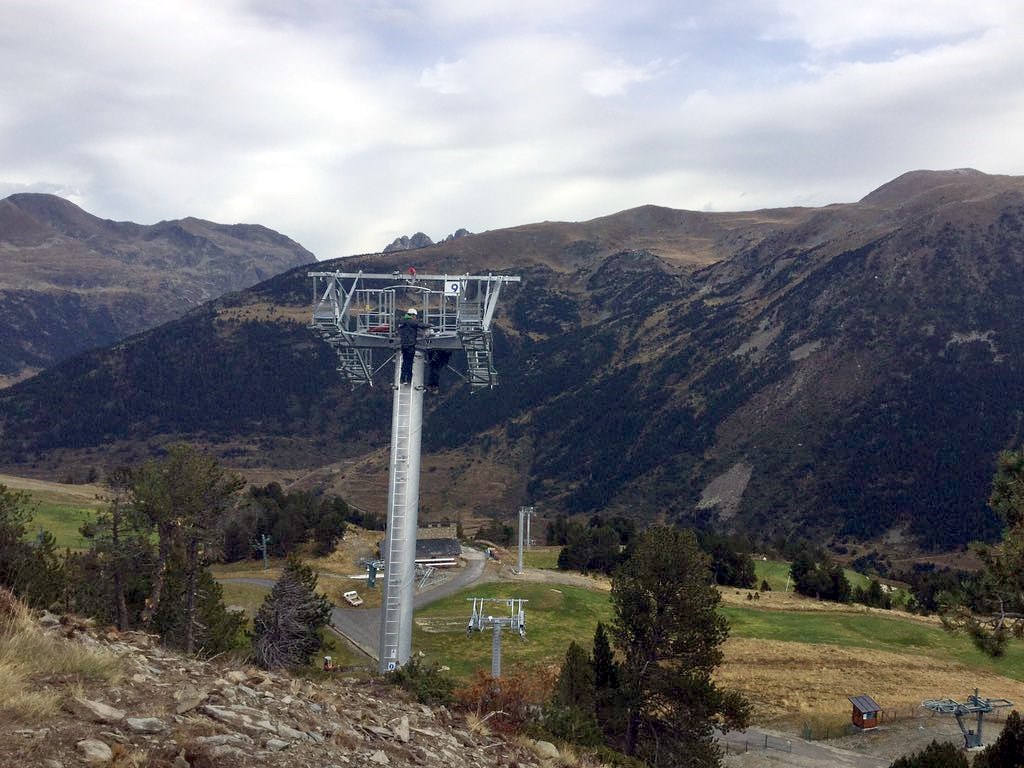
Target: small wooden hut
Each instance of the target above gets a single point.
(866, 712)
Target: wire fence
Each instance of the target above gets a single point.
(737, 744)
(824, 730)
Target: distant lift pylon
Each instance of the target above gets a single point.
(975, 705)
(357, 313)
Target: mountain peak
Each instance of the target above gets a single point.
(962, 183)
(27, 214)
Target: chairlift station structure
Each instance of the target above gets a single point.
(357, 314)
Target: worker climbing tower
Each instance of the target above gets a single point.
(358, 314)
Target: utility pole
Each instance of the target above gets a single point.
(261, 546)
(357, 314)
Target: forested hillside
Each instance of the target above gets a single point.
(848, 370)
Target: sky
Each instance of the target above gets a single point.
(347, 123)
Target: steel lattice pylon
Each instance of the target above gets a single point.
(357, 313)
(975, 705)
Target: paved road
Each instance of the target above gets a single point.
(361, 627)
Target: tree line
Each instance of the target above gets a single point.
(147, 565)
(601, 544)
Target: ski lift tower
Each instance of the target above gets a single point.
(976, 705)
(516, 620)
(357, 314)
(527, 513)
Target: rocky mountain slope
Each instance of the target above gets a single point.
(70, 281)
(170, 711)
(847, 371)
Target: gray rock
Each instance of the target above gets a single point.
(380, 757)
(146, 724)
(288, 732)
(401, 729)
(96, 711)
(545, 750)
(224, 738)
(94, 751)
(188, 698)
(50, 763)
(250, 711)
(276, 745)
(226, 716)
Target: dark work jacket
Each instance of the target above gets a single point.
(409, 332)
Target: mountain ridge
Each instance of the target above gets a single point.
(845, 372)
(71, 280)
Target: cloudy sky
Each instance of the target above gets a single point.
(346, 123)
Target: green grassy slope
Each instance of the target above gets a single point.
(556, 614)
(63, 521)
(874, 631)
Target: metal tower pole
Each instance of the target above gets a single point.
(529, 516)
(496, 651)
(403, 508)
(521, 511)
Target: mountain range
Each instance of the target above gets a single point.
(845, 373)
(70, 281)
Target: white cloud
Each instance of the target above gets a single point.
(344, 125)
(839, 24)
(446, 77)
(615, 80)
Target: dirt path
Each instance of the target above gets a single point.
(546, 576)
(762, 748)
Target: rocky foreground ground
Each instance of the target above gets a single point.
(169, 710)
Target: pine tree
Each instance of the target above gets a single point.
(608, 705)
(184, 496)
(669, 635)
(570, 715)
(996, 609)
(31, 569)
(286, 630)
(1008, 749)
(935, 755)
(606, 671)
(576, 679)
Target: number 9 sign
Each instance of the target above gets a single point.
(452, 288)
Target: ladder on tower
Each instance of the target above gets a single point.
(397, 537)
(476, 341)
(353, 365)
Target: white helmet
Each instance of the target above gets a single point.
(412, 312)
